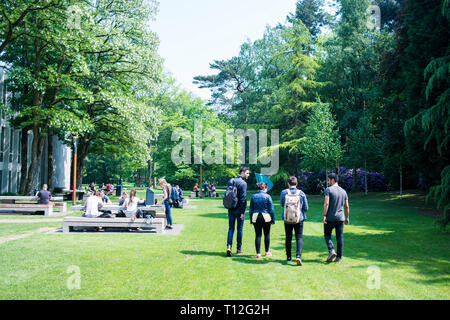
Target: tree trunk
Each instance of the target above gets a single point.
(50, 163)
(401, 181)
(23, 160)
(37, 148)
(149, 167)
(154, 177)
(83, 149)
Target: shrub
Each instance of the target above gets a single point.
(315, 183)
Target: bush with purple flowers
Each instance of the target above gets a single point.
(315, 183)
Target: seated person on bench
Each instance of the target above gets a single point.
(105, 198)
(212, 191)
(92, 205)
(196, 190)
(44, 196)
(130, 205)
(92, 188)
(122, 198)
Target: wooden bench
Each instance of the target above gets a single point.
(46, 208)
(158, 224)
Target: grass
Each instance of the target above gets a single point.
(384, 231)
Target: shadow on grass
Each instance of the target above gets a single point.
(250, 258)
(399, 244)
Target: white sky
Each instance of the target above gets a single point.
(194, 33)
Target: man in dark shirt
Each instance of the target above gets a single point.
(44, 196)
(237, 214)
(333, 216)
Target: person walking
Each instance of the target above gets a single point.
(336, 200)
(297, 198)
(167, 200)
(262, 216)
(236, 215)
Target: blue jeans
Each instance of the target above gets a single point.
(328, 229)
(232, 218)
(168, 213)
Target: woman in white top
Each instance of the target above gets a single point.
(92, 204)
(130, 205)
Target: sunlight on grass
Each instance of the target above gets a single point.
(411, 254)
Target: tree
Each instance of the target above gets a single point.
(13, 14)
(433, 118)
(93, 79)
(321, 147)
(366, 148)
(312, 14)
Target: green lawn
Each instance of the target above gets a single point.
(385, 231)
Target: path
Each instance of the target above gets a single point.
(27, 234)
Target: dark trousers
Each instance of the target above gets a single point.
(232, 218)
(261, 225)
(298, 228)
(328, 229)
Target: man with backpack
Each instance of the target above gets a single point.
(294, 204)
(333, 216)
(235, 200)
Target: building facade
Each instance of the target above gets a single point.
(10, 154)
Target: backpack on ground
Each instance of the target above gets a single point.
(230, 199)
(292, 207)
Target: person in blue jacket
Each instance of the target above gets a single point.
(262, 216)
(298, 228)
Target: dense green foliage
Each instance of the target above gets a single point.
(387, 88)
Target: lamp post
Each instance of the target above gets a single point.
(75, 140)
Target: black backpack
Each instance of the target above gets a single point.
(230, 199)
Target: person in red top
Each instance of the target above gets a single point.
(195, 190)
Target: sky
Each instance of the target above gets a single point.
(194, 33)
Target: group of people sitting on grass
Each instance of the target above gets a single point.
(208, 190)
(294, 204)
(108, 189)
